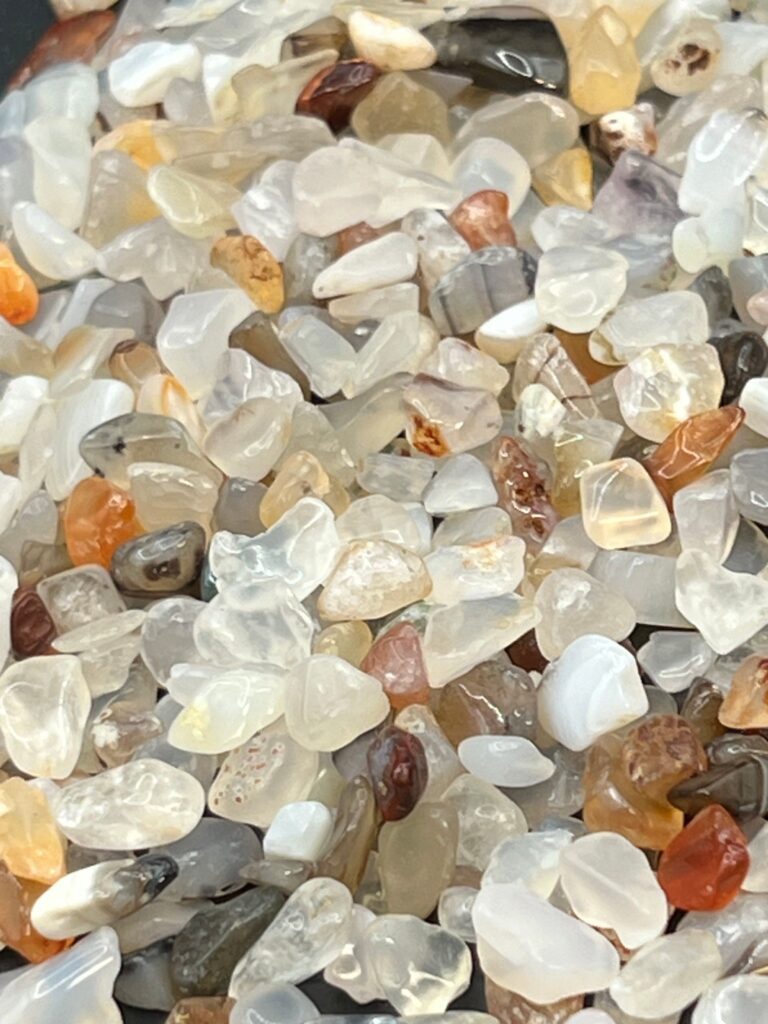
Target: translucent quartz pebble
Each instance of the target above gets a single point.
(420, 967)
(389, 44)
(754, 401)
(51, 248)
(532, 948)
(472, 526)
(166, 634)
(723, 154)
(706, 515)
(673, 660)
(272, 1004)
(462, 482)
(329, 703)
(324, 355)
(30, 844)
(398, 104)
(592, 688)
(604, 69)
(352, 971)
(454, 911)
(658, 980)
(666, 385)
(194, 205)
(145, 978)
(240, 377)
(249, 441)
(739, 1000)
(377, 517)
(266, 209)
(576, 287)
(480, 285)
(537, 125)
(444, 419)
(735, 928)
(259, 777)
(44, 705)
(254, 622)
(300, 475)
(609, 884)
(712, 239)
(679, 318)
(308, 934)
(507, 761)
(647, 581)
(76, 984)
(141, 76)
(533, 860)
(77, 597)
(726, 607)
(386, 260)
(505, 334)
(460, 363)
(372, 578)
(475, 571)
(410, 883)
(136, 805)
(573, 603)
(749, 481)
(86, 899)
(158, 920)
(591, 1016)
(621, 505)
(486, 817)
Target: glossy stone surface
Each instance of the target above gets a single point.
(31, 845)
(743, 357)
(523, 491)
(353, 834)
(482, 219)
(395, 659)
(160, 562)
(397, 765)
(335, 91)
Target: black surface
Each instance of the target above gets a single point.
(23, 22)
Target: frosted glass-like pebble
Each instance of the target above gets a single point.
(373, 578)
(461, 482)
(458, 362)
(739, 1000)
(141, 76)
(677, 318)
(388, 44)
(757, 876)
(51, 248)
(505, 760)
(754, 401)
(299, 831)
(532, 860)
(610, 885)
(475, 571)
(454, 911)
(505, 334)
(473, 526)
(352, 971)
(384, 261)
(273, 1004)
(592, 688)
(324, 355)
(576, 287)
(621, 505)
(486, 816)
(573, 603)
(673, 660)
(706, 515)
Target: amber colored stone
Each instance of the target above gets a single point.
(77, 39)
(492, 699)
(525, 653)
(701, 708)
(661, 752)
(482, 219)
(134, 362)
(577, 347)
(745, 706)
(16, 931)
(30, 843)
(356, 235)
(18, 296)
(523, 491)
(335, 91)
(703, 867)
(739, 785)
(613, 804)
(565, 178)
(691, 448)
(201, 1010)
(510, 1008)
(397, 766)
(395, 659)
(253, 267)
(136, 139)
(32, 628)
(98, 518)
(353, 836)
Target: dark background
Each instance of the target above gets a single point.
(24, 21)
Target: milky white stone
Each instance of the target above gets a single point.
(647, 581)
(532, 859)
(538, 412)
(384, 261)
(673, 660)
(375, 303)
(592, 688)
(44, 705)
(573, 603)
(373, 578)
(399, 478)
(377, 517)
(486, 816)
(388, 44)
(51, 248)
(754, 401)
(454, 911)
(676, 318)
(609, 884)
(462, 482)
(576, 287)
(621, 506)
(726, 607)
(398, 345)
(324, 355)
(195, 333)
(329, 703)
(352, 971)
(505, 334)
(11, 492)
(141, 76)
(71, 905)
(742, 999)
(757, 876)
(528, 946)
(61, 162)
(710, 240)
(299, 831)
(706, 515)
(19, 402)
(658, 979)
(240, 377)
(490, 163)
(473, 526)
(505, 760)
(249, 441)
(475, 571)
(136, 805)
(722, 155)
(456, 361)
(266, 209)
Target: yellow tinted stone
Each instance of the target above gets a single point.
(348, 640)
(621, 506)
(300, 476)
(30, 843)
(253, 267)
(565, 178)
(605, 72)
(136, 138)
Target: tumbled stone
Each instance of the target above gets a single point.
(660, 752)
(201, 1010)
(164, 561)
(482, 219)
(76, 39)
(523, 492)
(395, 659)
(493, 698)
(399, 103)
(31, 846)
(353, 834)
(573, 603)
(397, 766)
(744, 705)
(536, 124)
(743, 357)
(604, 69)
(506, 761)
(17, 897)
(531, 860)
(299, 831)
(544, 360)
(738, 1000)
(482, 569)
(371, 579)
(486, 816)
(480, 285)
(621, 506)
(575, 288)
(411, 883)
(335, 91)
(253, 268)
(348, 640)
(566, 178)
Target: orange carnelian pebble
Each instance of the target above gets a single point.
(16, 931)
(703, 867)
(98, 518)
(18, 296)
(483, 219)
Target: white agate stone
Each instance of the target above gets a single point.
(249, 441)
(486, 816)
(141, 76)
(726, 607)
(459, 363)
(673, 660)
(352, 971)
(51, 248)
(507, 761)
(667, 974)
(706, 514)
(322, 354)
(742, 999)
(454, 911)
(488, 163)
(576, 287)
(676, 318)
(476, 571)
(710, 240)
(11, 493)
(532, 860)
(71, 905)
(195, 333)
(44, 705)
(528, 946)
(375, 303)
(266, 209)
(573, 603)
(754, 401)
(506, 334)
(61, 164)
(377, 517)
(373, 578)
(299, 831)
(19, 402)
(398, 345)
(274, 1004)
(538, 412)
(308, 934)
(389, 44)
(136, 805)
(384, 261)
(399, 478)
(723, 154)
(462, 482)
(239, 378)
(609, 884)
(592, 688)
(329, 703)
(472, 527)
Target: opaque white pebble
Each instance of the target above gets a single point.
(462, 482)
(71, 905)
(505, 760)
(739, 1000)
(299, 831)
(505, 334)
(383, 261)
(141, 76)
(754, 401)
(388, 44)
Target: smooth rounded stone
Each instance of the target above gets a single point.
(50, 247)
(377, 517)
(401, 479)
(734, 929)
(398, 769)
(299, 831)
(76, 985)
(576, 287)
(621, 505)
(273, 1004)
(573, 603)
(44, 706)
(739, 1000)
(166, 634)
(410, 882)
(680, 318)
(31, 846)
(399, 103)
(658, 979)
(604, 69)
(454, 911)
(348, 640)
(714, 175)
(726, 607)
(420, 967)
(523, 483)
(136, 805)
(486, 816)
(444, 419)
(538, 125)
(592, 688)
(308, 933)
(472, 526)
(707, 516)
(531, 860)
(194, 205)
(749, 482)
(507, 761)
(145, 978)
(395, 659)
(440, 246)
(475, 571)
(609, 884)
(157, 920)
(384, 261)
(673, 660)
(505, 334)
(240, 377)
(753, 400)
(352, 971)
(532, 948)
(647, 581)
(301, 475)
(86, 899)
(353, 835)
(211, 859)
(372, 579)
(457, 361)
(259, 777)
(141, 76)
(163, 561)
(503, 56)
(480, 285)
(252, 623)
